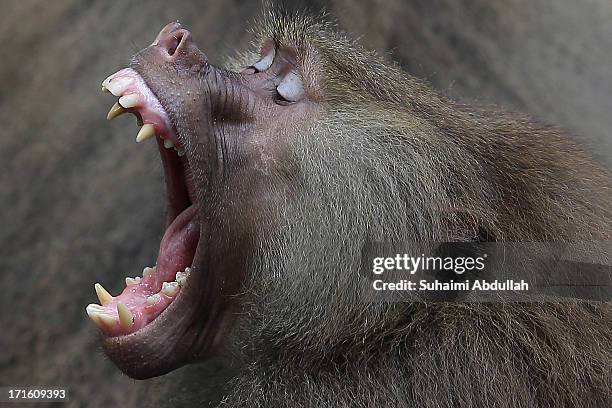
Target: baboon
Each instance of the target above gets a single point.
(281, 166)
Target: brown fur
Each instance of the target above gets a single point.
(391, 160)
(62, 203)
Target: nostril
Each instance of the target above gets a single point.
(175, 41)
(171, 40)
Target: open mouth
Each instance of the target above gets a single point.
(146, 297)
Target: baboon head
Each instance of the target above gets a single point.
(281, 165)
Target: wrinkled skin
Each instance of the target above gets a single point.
(234, 129)
(290, 190)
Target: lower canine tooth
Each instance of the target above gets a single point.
(170, 288)
(129, 101)
(145, 132)
(153, 299)
(115, 111)
(103, 296)
(125, 316)
(132, 281)
(168, 144)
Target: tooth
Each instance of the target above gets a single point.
(118, 86)
(106, 320)
(181, 278)
(94, 308)
(100, 319)
(129, 101)
(145, 132)
(125, 316)
(115, 111)
(103, 295)
(104, 89)
(106, 81)
(187, 270)
(170, 288)
(168, 144)
(153, 299)
(132, 281)
(147, 271)
(180, 151)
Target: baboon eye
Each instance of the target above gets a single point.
(291, 88)
(265, 62)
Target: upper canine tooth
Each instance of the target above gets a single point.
(118, 86)
(126, 318)
(129, 101)
(145, 132)
(115, 111)
(168, 144)
(103, 295)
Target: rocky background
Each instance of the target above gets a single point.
(81, 202)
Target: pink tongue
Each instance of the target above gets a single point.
(178, 245)
(176, 252)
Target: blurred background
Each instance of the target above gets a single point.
(81, 202)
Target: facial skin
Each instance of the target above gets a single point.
(311, 146)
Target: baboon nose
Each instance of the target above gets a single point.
(172, 39)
